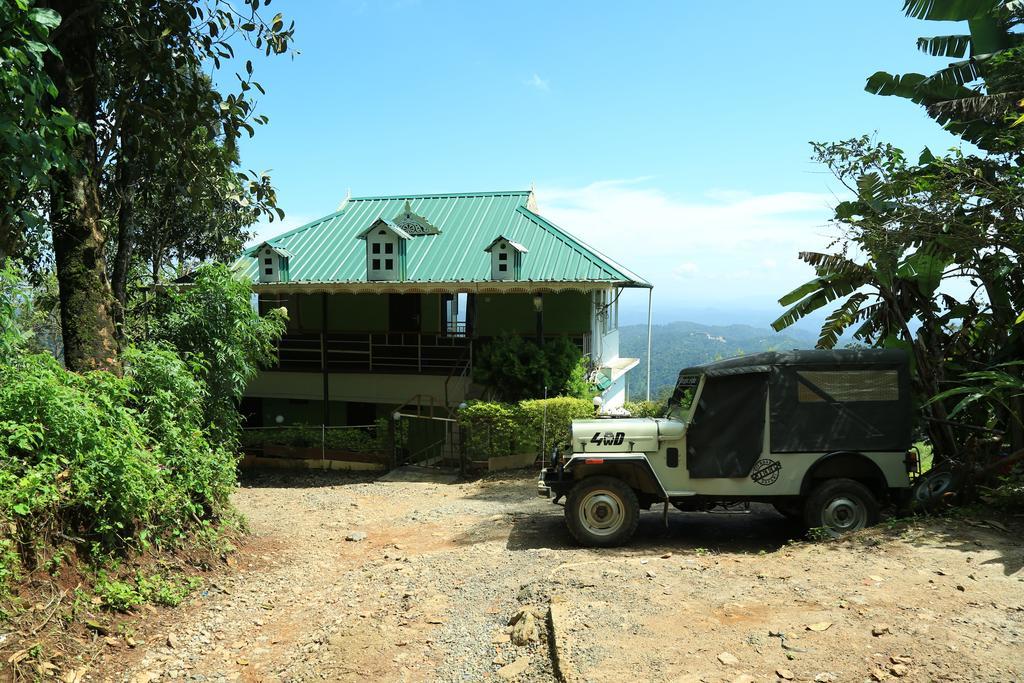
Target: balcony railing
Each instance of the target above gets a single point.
(388, 352)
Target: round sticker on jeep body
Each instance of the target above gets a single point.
(766, 472)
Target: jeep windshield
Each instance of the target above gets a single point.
(679, 405)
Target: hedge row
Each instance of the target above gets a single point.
(493, 429)
(357, 440)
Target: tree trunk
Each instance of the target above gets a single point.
(125, 190)
(75, 211)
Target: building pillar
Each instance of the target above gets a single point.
(538, 306)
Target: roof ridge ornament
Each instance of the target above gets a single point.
(413, 223)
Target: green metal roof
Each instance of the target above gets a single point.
(328, 250)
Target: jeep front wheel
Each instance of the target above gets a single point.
(840, 506)
(602, 512)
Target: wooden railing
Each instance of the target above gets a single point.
(388, 352)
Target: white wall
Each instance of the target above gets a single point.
(615, 395)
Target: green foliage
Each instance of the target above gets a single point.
(356, 439)
(212, 322)
(998, 386)
(1007, 493)
(113, 464)
(122, 595)
(33, 135)
(645, 408)
(551, 420)
(916, 228)
(12, 337)
(515, 368)
(491, 429)
(978, 97)
(494, 429)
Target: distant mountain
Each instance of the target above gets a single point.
(681, 344)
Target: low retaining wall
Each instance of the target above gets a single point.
(250, 461)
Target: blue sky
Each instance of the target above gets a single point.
(671, 135)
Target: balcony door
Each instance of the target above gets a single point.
(404, 312)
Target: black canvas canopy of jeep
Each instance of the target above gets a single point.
(816, 401)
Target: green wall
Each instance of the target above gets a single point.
(564, 313)
(357, 312)
(430, 313)
(296, 412)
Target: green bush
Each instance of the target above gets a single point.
(213, 322)
(548, 421)
(112, 463)
(645, 408)
(515, 368)
(493, 429)
(356, 440)
(120, 464)
(121, 595)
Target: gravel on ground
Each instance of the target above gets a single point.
(345, 578)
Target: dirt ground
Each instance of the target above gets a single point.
(428, 594)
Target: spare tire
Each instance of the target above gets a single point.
(931, 488)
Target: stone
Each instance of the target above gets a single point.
(898, 670)
(524, 630)
(819, 626)
(825, 677)
(744, 678)
(880, 629)
(784, 674)
(728, 659)
(510, 671)
(356, 536)
(172, 641)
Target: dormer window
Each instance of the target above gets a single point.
(506, 258)
(385, 251)
(273, 262)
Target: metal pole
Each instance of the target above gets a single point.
(650, 293)
(544, 432)
(326, 379)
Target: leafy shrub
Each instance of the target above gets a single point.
(169, 398)
(121, 595)
(490, 429)
(515, 368)
(73, 457)
(548, 421)
(113, 463)
(356, 440)
(645, 408)
(213, 322)
(12, 337)
(493, 429)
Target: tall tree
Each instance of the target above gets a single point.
(33, 132)
(974, 96)
(75, 211)
(133, 73)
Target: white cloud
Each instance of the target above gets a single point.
(726, 248)
(686, 269)
(537, 82)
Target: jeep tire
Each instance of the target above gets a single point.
(840, 506)
(602, 512)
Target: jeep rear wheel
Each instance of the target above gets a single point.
(841, 506)
(602, 512)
